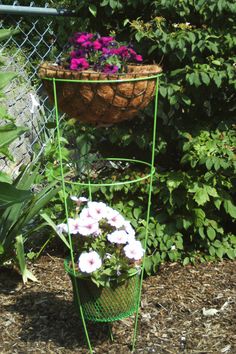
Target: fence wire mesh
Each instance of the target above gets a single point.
(23, 53)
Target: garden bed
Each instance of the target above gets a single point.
(39, 317)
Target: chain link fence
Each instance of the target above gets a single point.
(23, 53)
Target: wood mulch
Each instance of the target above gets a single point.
(184, 310)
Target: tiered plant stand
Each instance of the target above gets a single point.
(90, 185)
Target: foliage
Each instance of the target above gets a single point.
(16, 217)
(193, 204)
(193, 207)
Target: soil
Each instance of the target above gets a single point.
(184, 310)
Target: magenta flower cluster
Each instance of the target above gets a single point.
(104, 54)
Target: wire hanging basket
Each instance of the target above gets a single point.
(101, 103)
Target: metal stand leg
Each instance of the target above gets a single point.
(89, 185)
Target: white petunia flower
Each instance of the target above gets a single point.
(85, 213)
(114, 218)
(88, 226)
(97, 210)
(118, 236)
(134, 250)
(73, 226)
(79, 200)
(89, 262)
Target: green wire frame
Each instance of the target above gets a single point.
(90, 185)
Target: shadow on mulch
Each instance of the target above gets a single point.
(49, 318)
(10, 280)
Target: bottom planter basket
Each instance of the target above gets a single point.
(102, 304)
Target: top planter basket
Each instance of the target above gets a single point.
(101, 103)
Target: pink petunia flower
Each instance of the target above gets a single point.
(97, 45)
(110, 69)
(84, 37)
(105, 41)
(79, 64)
(89, 262)
(138, 58)
(134, 250)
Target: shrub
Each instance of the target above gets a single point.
(193, 200)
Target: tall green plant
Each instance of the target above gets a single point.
(16, 220)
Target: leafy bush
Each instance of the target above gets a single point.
(193, 199)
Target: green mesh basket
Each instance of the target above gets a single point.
(101, 304)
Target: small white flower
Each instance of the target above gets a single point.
(73, 226)
(97, 210)
(114, 218)
(34, 102)
(89, 262)
(88, 226)
(85, 213)
(134, 250)
(173, 248)
(62, 228)
(79, 200)
(118, 236)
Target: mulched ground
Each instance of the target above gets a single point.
(40, 318)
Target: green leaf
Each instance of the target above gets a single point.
(137, 212)
(93, 9)
(1, 249)
(26, 274)
(5, 78)
(201, 232)
(212, 251)
(6, 33)
(220, 252)
(10, 195)
(201, 196)
(211, 233)
(205, 78)
(186, 261)
(231, 254)
(230, 208)
(10, 132)
(4, 177)
(126, 21)
(148, 264)
(54, 227)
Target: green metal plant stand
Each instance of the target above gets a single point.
(89, 185)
